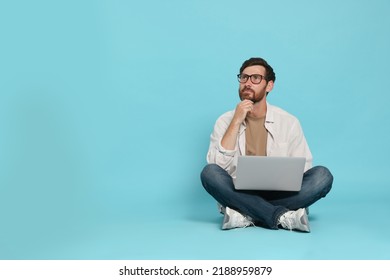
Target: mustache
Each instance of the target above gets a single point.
(247, 89)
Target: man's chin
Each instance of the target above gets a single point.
(246, 97)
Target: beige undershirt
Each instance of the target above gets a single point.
(256, 137)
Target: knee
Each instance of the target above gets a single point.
(324, 176)
(214, 176)
(209, 171)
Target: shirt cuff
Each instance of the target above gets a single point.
(224, 151)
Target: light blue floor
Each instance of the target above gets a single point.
(354, 227)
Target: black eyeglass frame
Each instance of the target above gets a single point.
(245, 78)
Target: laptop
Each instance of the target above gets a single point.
(269, 173)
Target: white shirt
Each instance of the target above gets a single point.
(285, 138)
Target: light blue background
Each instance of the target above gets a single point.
(106, 108)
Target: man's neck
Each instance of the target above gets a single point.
(259, 109)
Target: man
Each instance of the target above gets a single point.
(257, 128)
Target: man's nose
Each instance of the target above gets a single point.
(248, 83)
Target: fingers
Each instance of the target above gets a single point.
(246, 105)
(242, 110)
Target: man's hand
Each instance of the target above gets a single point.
(242, 110)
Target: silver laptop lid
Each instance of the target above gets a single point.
(269, 173)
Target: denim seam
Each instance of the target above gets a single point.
(278, 213)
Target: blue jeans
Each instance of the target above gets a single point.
(265, 207)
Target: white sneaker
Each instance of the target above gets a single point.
(295, 220)
(234, 219)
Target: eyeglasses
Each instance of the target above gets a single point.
(255, 78)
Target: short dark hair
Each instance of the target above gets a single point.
(269, 72)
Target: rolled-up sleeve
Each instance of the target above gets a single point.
(216, 153)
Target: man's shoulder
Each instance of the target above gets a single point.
(224, 119)
(227, 115)
(279, 112)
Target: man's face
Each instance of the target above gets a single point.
(251, 91)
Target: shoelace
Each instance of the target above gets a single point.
(287, 220)
(239, 220)
(247, 221)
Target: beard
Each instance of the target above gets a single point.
(249, 94)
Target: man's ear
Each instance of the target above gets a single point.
(270, 86)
